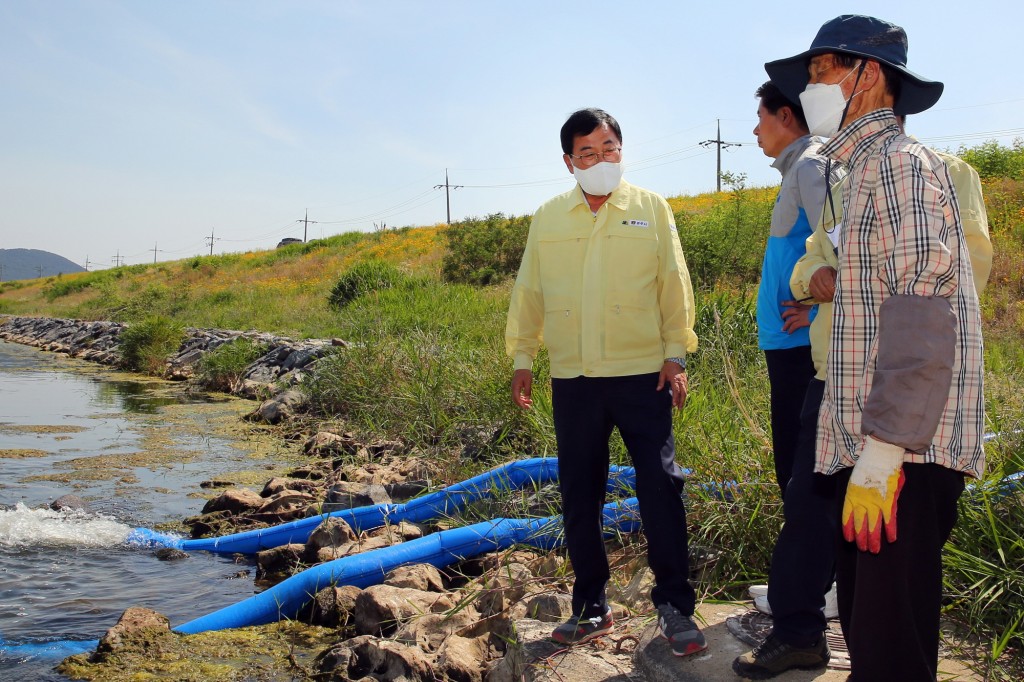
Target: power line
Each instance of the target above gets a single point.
(305, 224)
(447, 198)
(387, 211)
(212, 240)
(721, 144)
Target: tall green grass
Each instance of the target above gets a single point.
(146, 345)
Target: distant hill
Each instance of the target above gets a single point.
(31, 263)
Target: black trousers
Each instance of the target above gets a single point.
(889, 602)
(790, 370)
(803, 561)
(586, 409)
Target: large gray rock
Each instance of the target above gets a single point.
(550, 607)
(424, 577)
(498, 590)
(367, 658)
(330, 540)
(278, 563)
(234, 501)
(137, 626)
(70, 503)
(346, 495)
(381, 609)
(282, 406)
(332, 606)
(430, 630)
(532, 657)
(463, 659)
(286, 505)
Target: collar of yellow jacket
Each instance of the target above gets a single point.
(619, 198)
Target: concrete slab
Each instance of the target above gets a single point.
(635, 652)
(655, 662)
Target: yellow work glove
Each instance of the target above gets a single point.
(872, 494)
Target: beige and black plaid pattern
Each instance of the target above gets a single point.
(901, 235)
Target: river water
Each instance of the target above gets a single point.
(136, 450)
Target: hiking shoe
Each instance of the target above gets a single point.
(682, 633)
(774, 656)
(578, 629)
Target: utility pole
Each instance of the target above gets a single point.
(718, 141)
(305, 224)
(447, 197)
(212, 240)
(87, 262)
(39, 270)
(154, 250)
(1, 272)
(118, 259)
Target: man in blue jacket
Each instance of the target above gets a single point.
(782, 134)
(803, 550)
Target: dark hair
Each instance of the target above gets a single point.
(584, 122)
(773, 100)
(893, 81)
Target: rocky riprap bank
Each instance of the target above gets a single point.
(483, 620)
(271, 378)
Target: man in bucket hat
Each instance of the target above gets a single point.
(902, 417)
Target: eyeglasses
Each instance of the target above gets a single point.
(612, 154)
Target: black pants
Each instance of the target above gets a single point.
(803, 562)
(789, 372)
(889, 602)
(586, 409)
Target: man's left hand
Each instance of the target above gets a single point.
(872, 495)
(674, 376)
(795, 316)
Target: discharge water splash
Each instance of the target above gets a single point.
(22, 526)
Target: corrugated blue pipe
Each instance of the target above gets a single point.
(445, 502)
(362, 570)
(285, 599)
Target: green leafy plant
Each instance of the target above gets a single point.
(484, 251)
(993, 160)
(221, 368)
(984, 574)
(146, 345)
(726, 243)
(363, 278)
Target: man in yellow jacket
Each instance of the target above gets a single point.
(604, 284)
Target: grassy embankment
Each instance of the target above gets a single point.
(425, 309)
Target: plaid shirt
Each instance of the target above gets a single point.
(901, 236)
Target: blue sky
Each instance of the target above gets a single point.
(129, 126)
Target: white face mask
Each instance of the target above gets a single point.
(824, 106)
(599, 180)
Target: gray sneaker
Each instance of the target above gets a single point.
(578, 629)
(682, 633)
(774, 656)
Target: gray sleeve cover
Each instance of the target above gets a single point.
(913, 370)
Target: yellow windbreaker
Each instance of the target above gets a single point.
(608, 295)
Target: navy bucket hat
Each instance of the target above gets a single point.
(860, 36)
